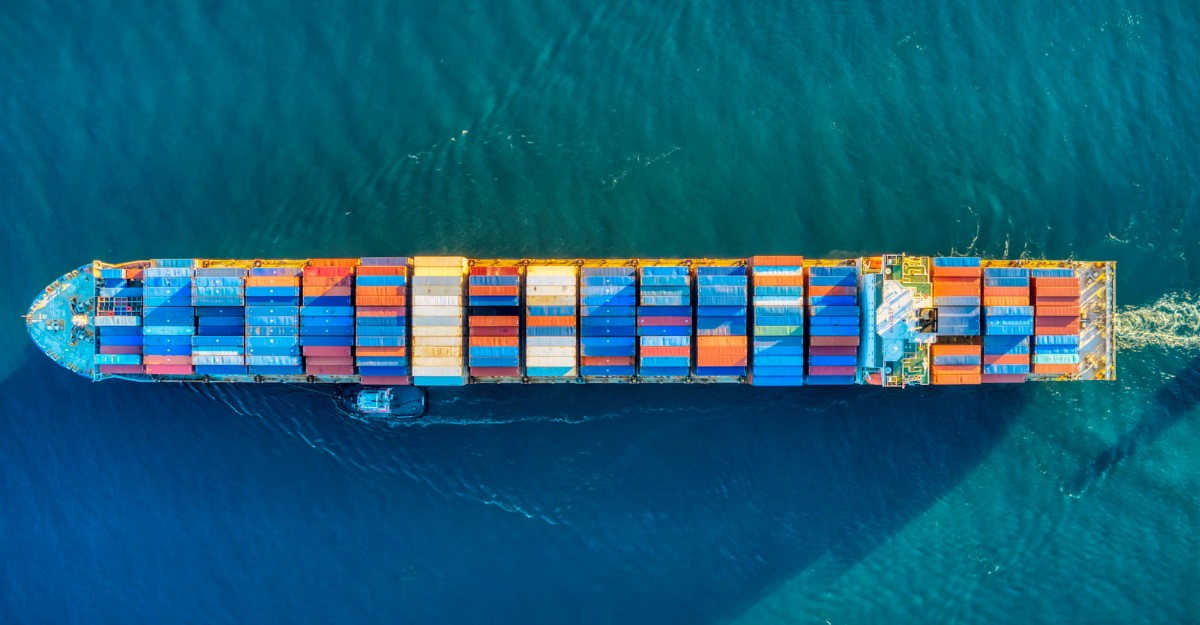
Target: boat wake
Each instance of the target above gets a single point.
(1171, 322)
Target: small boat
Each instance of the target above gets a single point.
(381, 402)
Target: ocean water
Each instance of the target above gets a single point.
(627, 128)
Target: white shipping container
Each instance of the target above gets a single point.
(547, 289)
(418, 330)
(422, 301)
(437, 351)
(550, 341)
(563, 351)
(437, 290)
(123, 320)
(550, 281)
(551, 270)
(437, 341)
(435, 311)
(549, 361)
(424, 361)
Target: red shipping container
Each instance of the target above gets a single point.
(381, 270)
(822, 370)
(385, 380)
(120, 369)
(380, 311)
(169, 369)
(664, 321)
(496, 271)
(496, 372)
(721, 360)
(321, 350)
(1006, 291)
(380, 300)
(832, 350)
(1046, 300)
(368, 350)
(1056, 291)
(329, 369)
(328, 360)
(328, 280)
(1057, 311)
(664, 350)
(120, 349)
(493, 331)
(1006, 359)
(833, 340)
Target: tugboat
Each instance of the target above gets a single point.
(387, 403)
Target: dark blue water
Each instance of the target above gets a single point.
(604, 129)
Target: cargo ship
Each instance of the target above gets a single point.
(892, 320)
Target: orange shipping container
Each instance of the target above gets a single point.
(1056, 369)
(1056, 282)
(494, 330)
(1006, 359)
(494, 341)
(381, 290)
(726, 341)
(940, 369)
(1006, 291)
(778, 280)
(568, 322)
(820, 291)
(1057, 311)
(323, 263)
(496, 271)
(498, 320)
(952, 290)
(1056, 291)
(955, 378)
(951, 349)
(328, 281)
(331, 291)
(1005, 301)
(495, 290)
(706, 360)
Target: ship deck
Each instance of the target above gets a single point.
(59, 321)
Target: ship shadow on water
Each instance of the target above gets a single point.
(1170, 404)
(678, 503)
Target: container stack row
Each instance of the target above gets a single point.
(834, 315)
(607, 322)
(664, 322)
(494, 321)
(956, 363)
(168, 317)
(778, 321)
(118, 321)
(551, 332)
(1056, 303)
(1008, 324)
(437, 321)
(381, 321)
(327, 317)
(219, 346)
(957, 288)
(273, 321)
(722, 299)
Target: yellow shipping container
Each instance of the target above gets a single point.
(437, 351)
(437, 362)
(551, 270)
(549, 361)
(440, 261)
(439, 341)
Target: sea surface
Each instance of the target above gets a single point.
(614, 129)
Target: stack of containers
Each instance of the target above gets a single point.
(169, 319)
(381, 323)
(273, 321)
(834, 318)
(118, 322)
(607, 322)
(551, 319)
(664, 322)
(219, 346)
(437, 321)
(722, 293)
(957, 287)
(956, 363)
(1056, 302)
(494, 321)
(327, 315)
(779, 320)
(1007, 324)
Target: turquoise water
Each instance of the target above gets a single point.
(604, 129)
